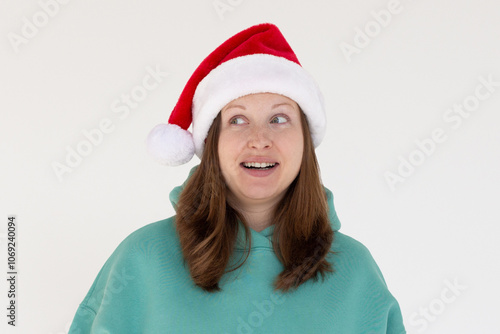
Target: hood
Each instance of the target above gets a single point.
(262, 238)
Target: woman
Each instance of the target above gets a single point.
(254, 246)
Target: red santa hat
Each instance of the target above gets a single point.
(256, 60)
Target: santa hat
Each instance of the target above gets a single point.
(256, 60)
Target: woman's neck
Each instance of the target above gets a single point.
(259, 219)
(258, 215)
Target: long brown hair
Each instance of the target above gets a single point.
(208, 225)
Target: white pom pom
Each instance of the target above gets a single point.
(170, 144)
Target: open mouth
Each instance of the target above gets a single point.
(259, 166)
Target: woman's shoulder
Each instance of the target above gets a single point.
(139, 253)
(352, 255)
(157, 239)
(160, 230)
(131, 269)
(358, 280)
(343, 242)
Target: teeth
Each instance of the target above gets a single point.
(259, 165)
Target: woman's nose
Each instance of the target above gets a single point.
(259, 137)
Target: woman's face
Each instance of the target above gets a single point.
(260, 128)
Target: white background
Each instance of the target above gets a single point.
(440, 225)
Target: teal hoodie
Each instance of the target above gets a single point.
(144, 287)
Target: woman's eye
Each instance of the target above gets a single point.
(279, 119)
(236, 120)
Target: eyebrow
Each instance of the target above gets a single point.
(236, 106)
(281, 104)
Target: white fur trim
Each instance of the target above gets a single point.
(257, 73)
(170, 144)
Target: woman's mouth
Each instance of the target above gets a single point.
(259, 170)
(259, 166)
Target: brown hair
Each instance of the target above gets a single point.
(208, 225)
